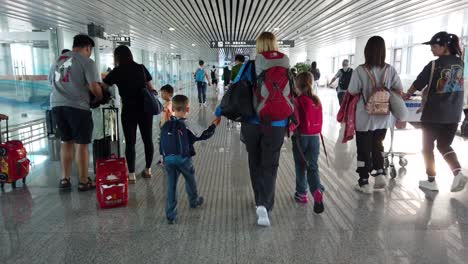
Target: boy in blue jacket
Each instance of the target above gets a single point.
(177, 150)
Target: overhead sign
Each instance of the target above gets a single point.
(246, 44)
(120, 39)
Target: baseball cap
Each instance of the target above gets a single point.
(441, 38)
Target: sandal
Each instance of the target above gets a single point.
(146, 175)
(83, 187)
(65, 184)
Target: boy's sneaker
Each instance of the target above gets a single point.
(171, 221)
(318, 202)
(301, 198)
(459, 182)
(364, 188)
(198, 203)
(431, 186)
(380, 182)
(262, 216)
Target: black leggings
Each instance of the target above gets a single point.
(130, 120)
(369, 153)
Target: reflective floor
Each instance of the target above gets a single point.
(400, 224)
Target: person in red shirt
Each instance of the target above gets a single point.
(306, 141)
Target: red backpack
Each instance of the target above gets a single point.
(273, 93)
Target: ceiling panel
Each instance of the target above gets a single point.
(196, 22)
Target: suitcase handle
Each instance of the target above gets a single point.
(6, 132)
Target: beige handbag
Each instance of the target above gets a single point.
(379, 101)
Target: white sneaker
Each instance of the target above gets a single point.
(262, 215)
(364, 189)
(459, 182)
(431, 186)
(204, 104)
(380, 182)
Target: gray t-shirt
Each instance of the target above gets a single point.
(361, 84)
(70, 78)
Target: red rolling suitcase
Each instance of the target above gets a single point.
(14, 164)
(111, 171)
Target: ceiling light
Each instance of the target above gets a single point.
(193, 44)
(276, 28)
(171, 29)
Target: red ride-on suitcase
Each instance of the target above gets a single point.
(111, 182)
(14, 164)
(111, 171)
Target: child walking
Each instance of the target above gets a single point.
(167, 91)
(306, 141)
(177, 149)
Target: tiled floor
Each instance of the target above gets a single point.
(401, 224)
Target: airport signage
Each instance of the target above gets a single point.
(120, 39)
(217, 44)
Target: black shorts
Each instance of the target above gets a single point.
(74, 124)
(214, 81)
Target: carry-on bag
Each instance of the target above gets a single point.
(14, 163)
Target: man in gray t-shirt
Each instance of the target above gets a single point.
(74, 79)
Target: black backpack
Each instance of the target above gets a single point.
(345, 78)
(237, 102)
(174, 138)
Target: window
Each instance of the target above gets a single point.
(351, 60)
(397, 54)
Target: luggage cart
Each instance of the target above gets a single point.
(414, 119)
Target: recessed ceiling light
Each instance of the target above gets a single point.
(171, 29)
(276, 28)
(193, 44)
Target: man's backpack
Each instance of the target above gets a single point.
(345, 78)
(273, 92)
(200, 75)
(174, 138)
(237, 102)
(213, 74)
(379, 101)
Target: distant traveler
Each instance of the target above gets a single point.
(131, 78)
(238, 60)
(316, 73)
(177, 149)
(226, 76)
(214, 77)
(202, 78)
(344, 76)
(73, 77)
(306, 142)
(370, 127)
(442, 108)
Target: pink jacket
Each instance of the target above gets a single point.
(308, 115)
(347, 115)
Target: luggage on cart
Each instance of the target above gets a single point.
(109, 143)
(111, 169)
(14, 163)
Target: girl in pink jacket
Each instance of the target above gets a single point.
(306, 141)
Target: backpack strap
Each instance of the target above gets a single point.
(324, 148)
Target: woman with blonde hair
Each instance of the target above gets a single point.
(264, 133)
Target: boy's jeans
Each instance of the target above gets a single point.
(175, 165)
(310, 146)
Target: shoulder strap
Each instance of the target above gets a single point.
(432, 74)
(371, 77)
